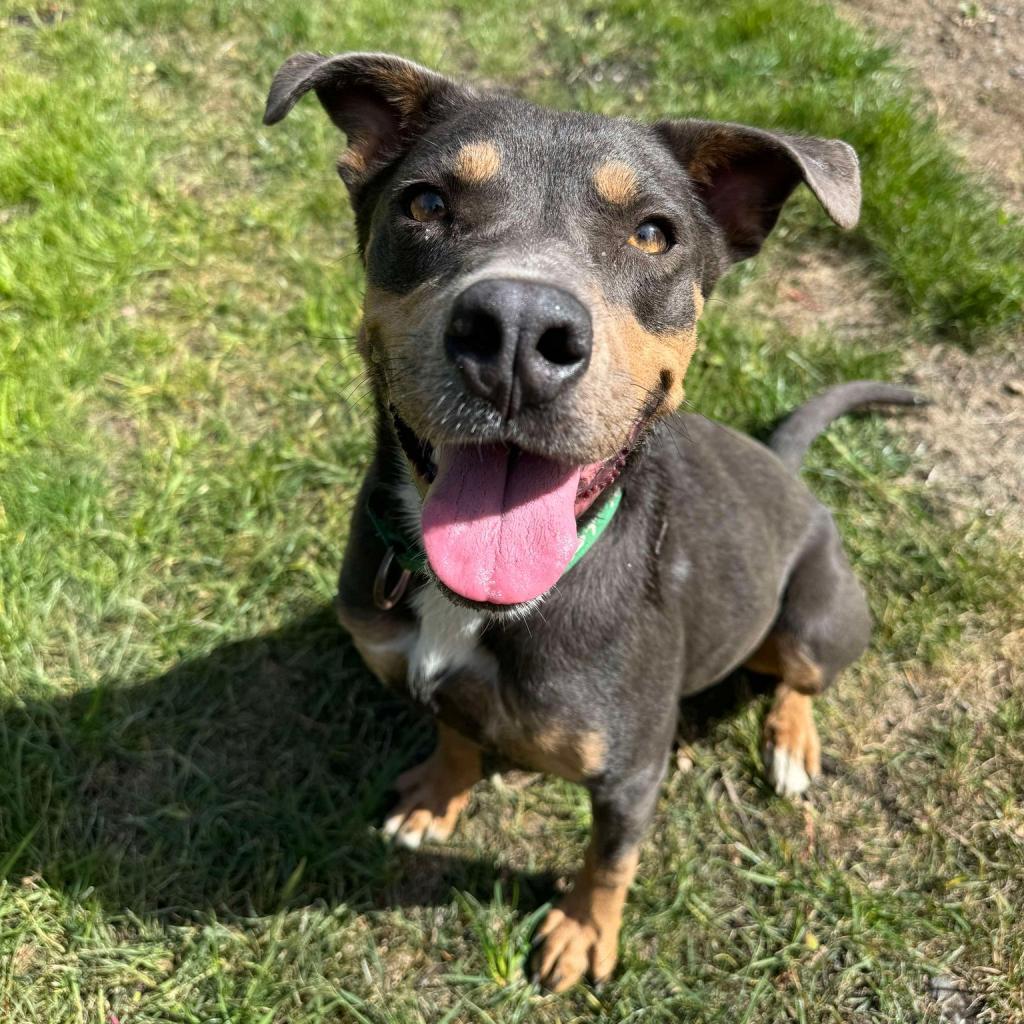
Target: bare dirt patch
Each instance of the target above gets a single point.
(971, 439)
(969, 57)
(969, 444)
(816, 289)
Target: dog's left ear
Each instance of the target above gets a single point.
(379, 101)
(745, 175)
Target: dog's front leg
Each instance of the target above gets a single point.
(581, 935)
(433, 794)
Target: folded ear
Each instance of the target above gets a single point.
(379, 101)
(745, 175)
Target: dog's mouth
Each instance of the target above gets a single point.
(500, 522)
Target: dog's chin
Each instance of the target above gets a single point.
(499, 612)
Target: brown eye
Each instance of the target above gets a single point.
(650, 238)
(427, 205)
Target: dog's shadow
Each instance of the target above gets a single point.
(240, 782)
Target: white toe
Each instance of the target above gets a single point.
(786, 774)
(436, 834)
(410, 840)
(392, 825)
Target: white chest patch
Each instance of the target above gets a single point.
(448, 636)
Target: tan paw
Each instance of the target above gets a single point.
(568, 948)
(431, 797)
(792, 750)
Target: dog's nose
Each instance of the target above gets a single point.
(518, 343)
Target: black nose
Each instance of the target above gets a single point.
(518, 343)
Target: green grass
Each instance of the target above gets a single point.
(194, 758)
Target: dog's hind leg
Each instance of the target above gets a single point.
(824, 625)
(791, 748)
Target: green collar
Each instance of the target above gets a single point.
(587, 537)
(409, 556)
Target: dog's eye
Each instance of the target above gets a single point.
(427, 205)
(650, 237)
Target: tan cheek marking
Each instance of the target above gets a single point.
(477, 163)
(652, 358)
(559, 751)
(388, 334)
(616, 182)
(389, 319)
(647, 357)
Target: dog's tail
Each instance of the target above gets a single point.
(794, 435)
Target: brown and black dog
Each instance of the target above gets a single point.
(534, 281)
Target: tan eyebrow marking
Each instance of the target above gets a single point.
(477, 162)
(616, 182)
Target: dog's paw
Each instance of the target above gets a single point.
(792, 750)
(787, 774)
(430, 800)
(568, 948)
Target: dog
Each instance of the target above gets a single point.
(545, 553)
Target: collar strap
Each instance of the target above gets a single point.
(406, 553)
(587, 536)
(412, 559)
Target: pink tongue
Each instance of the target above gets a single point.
(497, 526)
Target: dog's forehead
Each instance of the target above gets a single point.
(540, 191)
(558, 153)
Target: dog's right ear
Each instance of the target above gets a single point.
(379, 101)
(744, 176)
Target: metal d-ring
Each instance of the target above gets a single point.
(383, 599)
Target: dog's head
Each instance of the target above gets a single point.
(534, 281)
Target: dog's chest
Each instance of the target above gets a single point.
(446, 638)
(440, 657)
(446, 641)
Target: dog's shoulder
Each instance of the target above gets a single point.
(710, 454)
